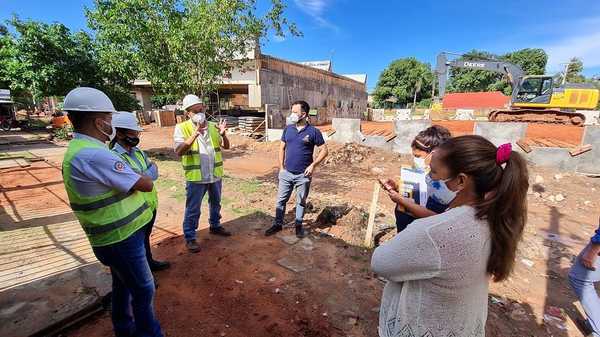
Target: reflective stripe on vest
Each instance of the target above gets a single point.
(191, 161)
(152, 196)
(107, 218)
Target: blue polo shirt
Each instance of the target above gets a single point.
(300, 146)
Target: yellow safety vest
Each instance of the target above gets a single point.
(191, 160)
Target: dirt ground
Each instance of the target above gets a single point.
(245, 285)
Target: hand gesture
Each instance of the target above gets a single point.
(222, 126)
(309, 170)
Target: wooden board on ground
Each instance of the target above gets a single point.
(372, 212)
(165, 118)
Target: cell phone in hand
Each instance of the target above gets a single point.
(387, 187)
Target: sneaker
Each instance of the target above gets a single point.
(219, 231)
(300, 231)
(192, 246)
(274, 229)
(159, 265)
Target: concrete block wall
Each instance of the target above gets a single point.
(589, 162)
(347, 130)
(501, 133)
(406, 131)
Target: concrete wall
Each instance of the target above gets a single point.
(589, 162)
(347, 130)
(501, 133)
(406, 131)
(283, 82)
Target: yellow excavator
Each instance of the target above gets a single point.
(534, 99)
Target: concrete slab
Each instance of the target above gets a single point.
(501, 133)
(553, 157)
(406, 132)
(378, 142)
(592, 117)
(34, 306)
(589, 162)
(347, 130)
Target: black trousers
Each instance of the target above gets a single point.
(147, 231)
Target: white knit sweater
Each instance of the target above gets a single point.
(437, 281)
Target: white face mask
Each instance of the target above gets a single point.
(439, 191)
(293, 119)
(113, 133)
(199, 118)
(419, 163)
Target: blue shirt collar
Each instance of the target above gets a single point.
(120, 150)
(77, 135)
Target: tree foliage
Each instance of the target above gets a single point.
(531, 60)
(400, 81)
(575, 71)
(180, 46)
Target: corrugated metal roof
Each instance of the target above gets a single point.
(362, 78)
(475, 100)
(323, 65)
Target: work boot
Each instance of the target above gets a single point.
(159, 265)
(219, 231)
(273, 229)
(300, 231)
(192, 246)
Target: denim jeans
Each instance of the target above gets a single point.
(582, 281)
(147, 232)
(287, 182)
(194, 196)
(132, 288)
(404, 219)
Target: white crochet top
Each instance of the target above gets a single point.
(437, 281)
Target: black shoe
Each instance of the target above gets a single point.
(192, 246)
(219, 231)
(159, 265)
(274, 229)
(300, 231)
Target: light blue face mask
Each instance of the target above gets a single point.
(439, 191)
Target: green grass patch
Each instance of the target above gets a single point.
(175, 188)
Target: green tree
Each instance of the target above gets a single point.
(180, 45)
(575, 71)
(399, 82)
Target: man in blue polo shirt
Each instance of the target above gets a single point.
(296, 165)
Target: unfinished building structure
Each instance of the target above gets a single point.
(267, 85)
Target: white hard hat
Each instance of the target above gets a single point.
(87, 99)
(191, 100)
(125, 120)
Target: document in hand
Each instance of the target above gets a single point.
(413, 184)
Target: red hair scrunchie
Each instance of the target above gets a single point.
(503, 153)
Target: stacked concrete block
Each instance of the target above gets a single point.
(501, 133)
(465, 114)
(403, 115)
(406, 131)
(347, 130)
(378, 115)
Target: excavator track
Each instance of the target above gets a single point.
(548, 116)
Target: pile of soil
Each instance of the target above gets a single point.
(348, 154)
(343, 222)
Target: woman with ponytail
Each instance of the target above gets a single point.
(438, 269)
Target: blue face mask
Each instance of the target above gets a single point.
(439, 191)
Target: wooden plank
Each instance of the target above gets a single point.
(390, 138)
(372, 212)
(580, 150)
(524, 146)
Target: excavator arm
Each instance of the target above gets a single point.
(512, 71)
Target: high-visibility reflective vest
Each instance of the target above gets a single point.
(151, 197)
(107, 218)
(191, 160)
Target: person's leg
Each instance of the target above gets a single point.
(284, 192)
(582, 281)
(121, 317)
(402, 220)
(214, 204)
(302, 185)
(193, 202)
(147, 233)
(134, 272)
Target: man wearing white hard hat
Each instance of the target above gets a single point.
(125, 145)
(199, 143)
(107, 197)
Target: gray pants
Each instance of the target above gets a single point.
(287, 182)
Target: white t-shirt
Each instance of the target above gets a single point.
(437, 277)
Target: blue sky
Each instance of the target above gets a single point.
(364, 36)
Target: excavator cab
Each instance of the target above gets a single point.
(535, 89)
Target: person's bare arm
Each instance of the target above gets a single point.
(225, 144)
(410, 206)
(323, 152)
(282, 156)
(144, 184)
(187, 144)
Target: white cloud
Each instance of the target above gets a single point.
(278, 38)
(316, 9)
(585, 47)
